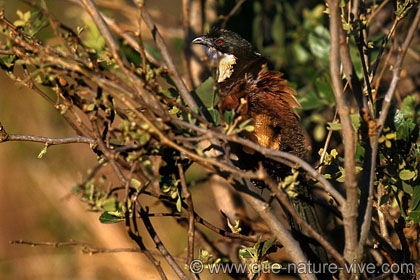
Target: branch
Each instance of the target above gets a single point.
(282, 197)
(210, 226)
(146, 98)
(190, 209)
(87, 247)
(163, 49)
(231, 13)
(4, 137)
(292, 160)
(350, 209)
(159, 245)
(291, 246)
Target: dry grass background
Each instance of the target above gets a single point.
(35, 199)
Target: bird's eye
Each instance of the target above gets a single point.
(219, 42)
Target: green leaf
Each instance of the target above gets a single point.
(215, 116)
(406, 174)
(403, 126)
(325, 91)
(110, 204)
(43, 152)
(179, 204)
(249, 128)
(206, 94)
(319, 43)
(135, 183)
(355, 121)
(8, 61)
(319, 133)
(414, 216)
(334, 126)
(311, 101)
(300, 53)
(415, 202)
(228, 116)
(267, 246)
(408, 106)
(90, 107)
(244, 253)
(107, 218)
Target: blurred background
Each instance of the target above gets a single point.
(36, 203)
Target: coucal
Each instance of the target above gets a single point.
(265, 98)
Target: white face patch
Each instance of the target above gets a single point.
(223, 61)
(225, 68)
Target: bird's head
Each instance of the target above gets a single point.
(232, 54)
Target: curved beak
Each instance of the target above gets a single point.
(203, 40)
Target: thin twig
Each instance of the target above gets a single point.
(159, 245)
(376, 11)
(190, 210)
(272, 154)
(47, 140)
(231, 13)
(210, 226)
(87, 247)
(161, 45)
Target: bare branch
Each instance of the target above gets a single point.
(232, 12)
(291, 246)
(190, 209)
(162, 249)
(4, 137)
(350, 209)
(87, 247)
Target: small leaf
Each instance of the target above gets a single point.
(267, 246)
(107, 218)
(90, 107)
(179, 204)
(355, 121)
(215, 116)
(325, 90)
(206, 94)
(249, 128)
(415, 202)
(135, 183)
(334, 126)
(311, 101)
(244, 253)
(319, 133)
(391, 135)
(414, 216)
(43, 152)
(406, 174)
(110, 205)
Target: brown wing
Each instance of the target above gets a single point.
(271, 104)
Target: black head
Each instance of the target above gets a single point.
(227, 42)
(234, 56)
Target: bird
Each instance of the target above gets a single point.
(269, 102)
(265, 98)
